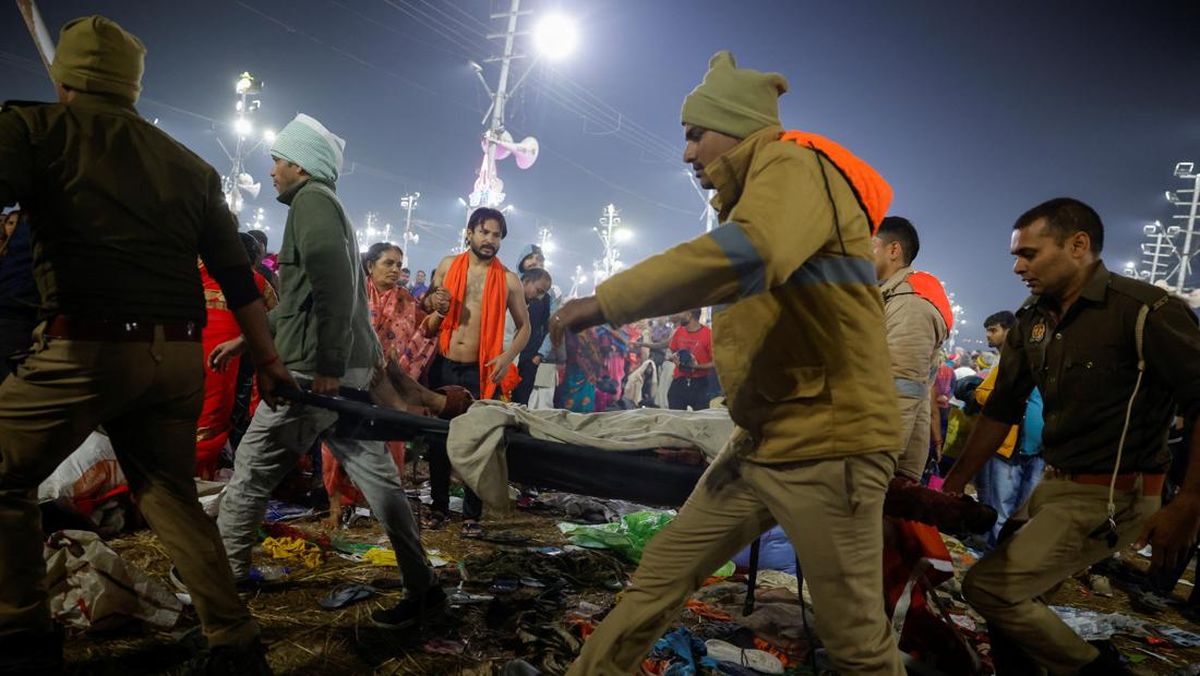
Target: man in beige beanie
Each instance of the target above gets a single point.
(800, 350)
(119, 213)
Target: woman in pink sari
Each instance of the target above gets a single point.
(399, 324)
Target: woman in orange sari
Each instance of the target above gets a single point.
(398, 321)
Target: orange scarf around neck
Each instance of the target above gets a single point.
(492, 309)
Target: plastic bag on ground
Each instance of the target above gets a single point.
(93, 588)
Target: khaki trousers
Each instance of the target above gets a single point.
(832, 510)
(914, 437)
(147, 396)
(1009, 584)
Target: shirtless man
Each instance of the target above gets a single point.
(471, 351)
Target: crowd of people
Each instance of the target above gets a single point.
(143, 311)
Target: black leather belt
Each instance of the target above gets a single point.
(116, 331)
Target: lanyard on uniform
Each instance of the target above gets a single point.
(1108, 529)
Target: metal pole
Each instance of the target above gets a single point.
(38, 31)
(1186, 255)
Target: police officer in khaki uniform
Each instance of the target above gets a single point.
(800, 350)
(1114, 358)
(915, 331)
(119, 213)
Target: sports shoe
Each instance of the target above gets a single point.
(224, 659)
(411, 611)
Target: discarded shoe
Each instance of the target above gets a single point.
(1149, 602)
(411, 611)
(346, 594)
(757, 660)
(472, 530)
(1100, 585)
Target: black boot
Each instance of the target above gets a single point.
(250, 660)
(1109, 663)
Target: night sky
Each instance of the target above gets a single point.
(972, 111)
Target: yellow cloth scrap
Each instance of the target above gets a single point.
(380, 556)
(293, 548)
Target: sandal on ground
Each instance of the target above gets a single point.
(346, 594)
(433, 520)
(472, 530)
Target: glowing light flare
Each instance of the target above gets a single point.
(555, 36)
(242, 126)
(623, 234)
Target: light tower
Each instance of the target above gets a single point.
(238, 181)
(610, 233)
(408, 203)
(577, 280)
(546, 244)
(1191, 210)
(1165, 260)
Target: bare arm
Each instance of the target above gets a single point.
(439, 276)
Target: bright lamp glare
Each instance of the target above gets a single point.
(623, 235)
(269, 136)
(242, 126)
(555, 36)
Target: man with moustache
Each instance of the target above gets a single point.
(471, 351)
(1114, 359)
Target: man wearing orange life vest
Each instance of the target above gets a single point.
(918, 319)
(800, 350)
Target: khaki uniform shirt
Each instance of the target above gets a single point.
(118, 211)
(798, 337)
(915, 329)
(1085, 364)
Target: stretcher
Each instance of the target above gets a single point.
(640, 476)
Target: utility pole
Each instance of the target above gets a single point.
(497, 142)
(408, 203)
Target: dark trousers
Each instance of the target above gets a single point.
(16, 337)
(444, 372)
(686, 392)
(528, 372)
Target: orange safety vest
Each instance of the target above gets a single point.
(930, 288)
(873, 193)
